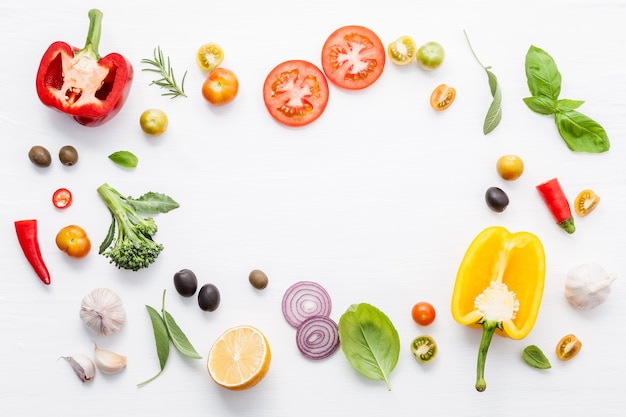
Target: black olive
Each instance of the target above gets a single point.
(68, 155)
(258, 279)
(39, 156)
(209, 297)
(185, 282)
(496, 199)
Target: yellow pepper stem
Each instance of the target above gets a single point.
(489, 327)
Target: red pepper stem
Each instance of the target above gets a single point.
(489, 327)
(93, 35)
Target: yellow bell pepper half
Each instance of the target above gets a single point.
(499, 286)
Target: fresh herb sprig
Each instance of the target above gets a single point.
(580, 132)
(165, 70)
(494, 114)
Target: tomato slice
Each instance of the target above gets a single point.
(402, 51)
(295, 93)
(62, 198)
(353, 57)
(442, 97)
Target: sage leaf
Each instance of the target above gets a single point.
(178, 338)
(124, 159)
(108, 239)
(543, 76)
(581, 133)
(152, 203)
(534, 357)
(541, 105)
(369, 341)
(162, 341)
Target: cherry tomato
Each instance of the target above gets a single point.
(442, 97)
(153, 122)
(423, 313)
(295, 93)
(430, 56)
(402, 50)
(220, 87)
(73, 240)
(62, 198)
(424, 348)
(209, 56)
(353, 57)
(510, 167)
(586, 201)
(568, 347)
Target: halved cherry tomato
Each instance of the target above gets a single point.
(442, 97)
(209, 56)
(586, 201)
(220, 87)
(295, 93)
(353, 57)
(73, 240)
(423, 313)
(62, 198)
(568, 347)
(402, 50)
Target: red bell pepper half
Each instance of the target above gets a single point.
(79, 82)
(557, 203)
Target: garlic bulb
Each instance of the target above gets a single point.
(587, 286)
(82, 365)
(102, 312)
(109, 362)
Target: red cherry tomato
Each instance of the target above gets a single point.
(353, 57)
(423, 313)
(220, 87)
(62, 198)
(73, 240)
(295, 93)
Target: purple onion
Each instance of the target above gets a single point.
(303, 300)
(317, 337)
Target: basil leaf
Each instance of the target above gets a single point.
(543, 76)
(109, 237)
(162, 341)
(581, 133)
(124, 159)
(534, 357)
(541, 105)
(152, 203)
(178, 338)
(369, 341)
(567, 104)
(494, 114)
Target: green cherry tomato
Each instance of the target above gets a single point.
(153, 122)
(430, 56)
(424, 348)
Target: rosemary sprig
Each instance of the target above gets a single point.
(164, 69)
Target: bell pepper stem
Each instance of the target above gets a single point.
(489, 327)
(93, 35)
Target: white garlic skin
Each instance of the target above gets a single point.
(102, 312)
(83, 366)
(587, 286)
(109, 362)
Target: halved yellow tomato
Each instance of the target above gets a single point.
(442, 97)
(586, 201)
(402, 50)
(209, 56)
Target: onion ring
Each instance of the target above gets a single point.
(317, 337)
(303, 300)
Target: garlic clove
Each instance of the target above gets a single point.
(588, 285)
(109, 362)
(82, 365)
(102, 312)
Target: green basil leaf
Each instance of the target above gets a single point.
(494, 113)
(541, 105)
(162, 341)
(124, 159)
(534, 357)
(566, 104)
(581, 133)
(543, 76)
(109, 237)
(152, 203)
(369, 341)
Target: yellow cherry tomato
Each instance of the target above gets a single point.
(442, 97)
(586, 201)
(153, 122)
(209, 56)
(73, 240)
(568, 347)
(510, 167)
(402, 50)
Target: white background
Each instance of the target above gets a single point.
(377, 201)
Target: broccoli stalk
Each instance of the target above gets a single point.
(132, 247)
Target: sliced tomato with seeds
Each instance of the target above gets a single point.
(442, 97)
(62, 198)
(353, 57)
(295, 93)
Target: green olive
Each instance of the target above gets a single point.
(258, 279)
(68, 155)
(39, 156)
(424, 348)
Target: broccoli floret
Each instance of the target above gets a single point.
(132, 247)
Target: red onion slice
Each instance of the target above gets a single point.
(303, 300)
(317, 337)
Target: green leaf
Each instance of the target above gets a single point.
(566, 104)
(494, 113)
(541, 105)
(581, 133)
(369, 341)
(534, 357)
(124, 159)
(178, 337)
(543, 76)
(152, 203)
(162, 341)
(109, 237)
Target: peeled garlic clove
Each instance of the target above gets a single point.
(109, 362)
(82, 365)
(102, 312)
(587, 286)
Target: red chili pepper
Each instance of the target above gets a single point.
(557, 203)
(27, 236)
(80, 83)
